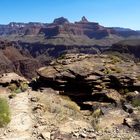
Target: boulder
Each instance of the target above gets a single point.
(130, 122)
(128, 108)
(46, 135)
(9, 77)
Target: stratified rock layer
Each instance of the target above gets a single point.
(89, 78)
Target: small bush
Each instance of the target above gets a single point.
(4, 112)
(23, 87)
(97, 113)
(18, 90)
(68, 103)
(136, 102)
(124, 91)
(138, 77)
(114, 59)
(107, 71)
(95, 118)
(12, 87)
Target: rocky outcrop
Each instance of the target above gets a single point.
(90, 78)
(9, 77)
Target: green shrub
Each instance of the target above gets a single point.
(18, 90)
(12, 87)
(107, 71)
(4, 112)
(136, 102)
(23, 87)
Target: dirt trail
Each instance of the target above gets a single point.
(20, 127)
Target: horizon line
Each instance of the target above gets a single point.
(70, 21)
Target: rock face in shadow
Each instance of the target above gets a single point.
(12, 60)
(131, 46)
(91, 78)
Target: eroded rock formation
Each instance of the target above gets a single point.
(91, 78)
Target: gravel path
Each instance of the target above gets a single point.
(20, 127)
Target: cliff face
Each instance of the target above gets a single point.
(61, 26)
(11, 60)
(130, 46)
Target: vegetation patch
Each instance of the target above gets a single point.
(61, 108)
(107, 71)
(123, 91)
(114, 59)
(138, 77)
(18, 87)
(4, 112)
(95, 118)
(136, 102)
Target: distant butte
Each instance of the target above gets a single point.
(60, 20)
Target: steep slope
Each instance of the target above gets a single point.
(126, 32)
(131, 46)
(12, 60)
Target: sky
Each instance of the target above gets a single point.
(111, 13)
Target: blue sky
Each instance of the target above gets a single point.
(122, 13)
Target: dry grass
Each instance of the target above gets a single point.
(60, 108)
